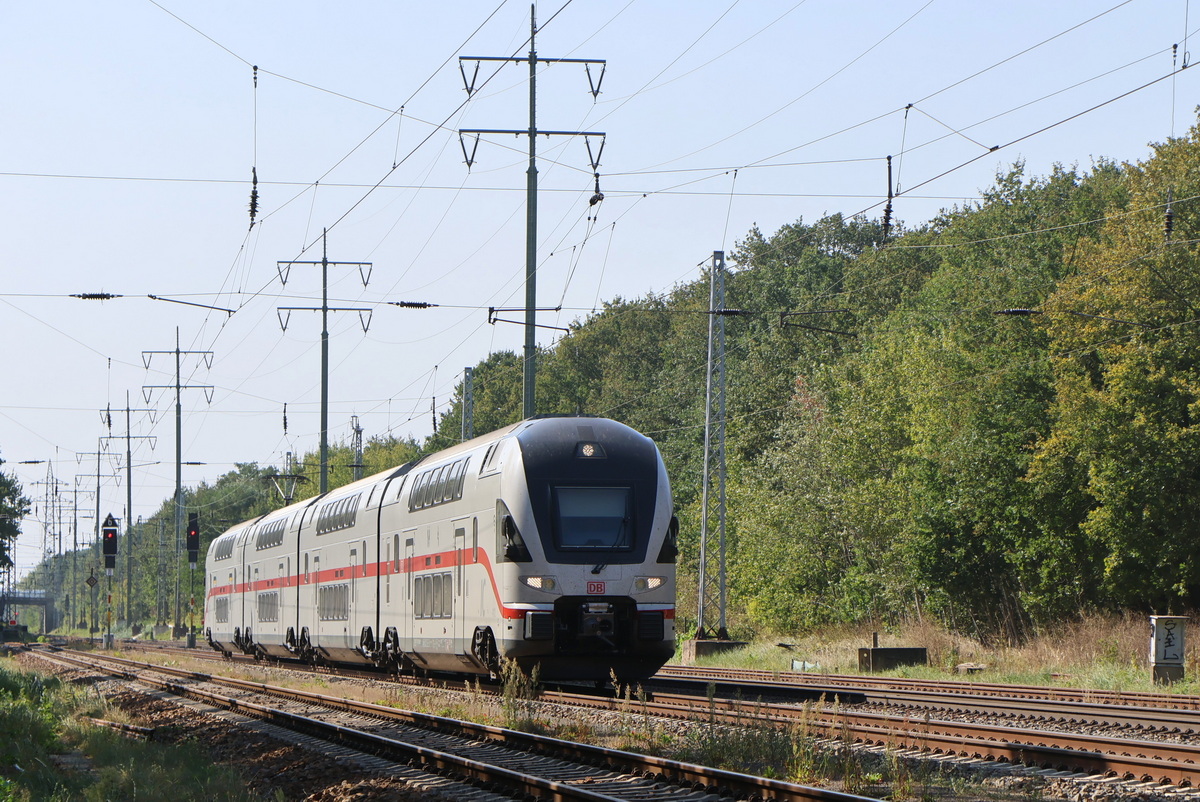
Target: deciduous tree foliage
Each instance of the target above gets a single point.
(1124, 454)
(13, 507)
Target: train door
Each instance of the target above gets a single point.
(252, 607)
(304, 596)
(351, 629)
(407, 613)
(362, 611)
(241, 584)
(238, 613)
(309, 592)
(478, 578)
(392, 570)
(458, 606)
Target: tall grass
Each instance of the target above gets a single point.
(518, 692)
(1106, 652)
(41, 718)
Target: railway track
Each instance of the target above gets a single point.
(1118, 713)
(868, 684)
(499, 760)
(911, 717)
(1022, 709)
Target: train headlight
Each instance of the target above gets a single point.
(546, 583)
(588, 450)
(644, 583)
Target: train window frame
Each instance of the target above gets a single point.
(430, 484)
(510, 543)
(269, 535)
(487, 456)
(628, 531)
(460, 480)
(437, 486)
(267, 606)
(490, 460)
(427, 496)
(414, 493)
(223, 549)
(338, 514)
(388, 497)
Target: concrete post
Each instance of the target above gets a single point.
(1167, 648)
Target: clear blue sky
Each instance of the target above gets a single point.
(130, 129)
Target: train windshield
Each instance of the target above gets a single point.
(593, 518)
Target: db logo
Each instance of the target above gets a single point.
(595, 588)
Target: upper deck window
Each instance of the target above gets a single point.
(438, 485)
(223, 548)
(339, 514)
(270, 535)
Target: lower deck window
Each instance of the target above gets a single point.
(333, 603)
(268, 606)
(433, 596)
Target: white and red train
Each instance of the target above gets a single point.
(550, 542)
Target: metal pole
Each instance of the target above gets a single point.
(358, 447)
(97, 541)
(128, 515)
(714, 432)
(178, 477)
(528, 407)
(719, 259)
(71, 597)
(160, 591)
(324, 362)
(528, 401)
(468, 404)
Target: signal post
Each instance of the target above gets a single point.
(109, 533)
(193, 550)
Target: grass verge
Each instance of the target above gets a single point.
(49, 752)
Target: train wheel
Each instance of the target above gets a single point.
(390, 657)
(483, 646)
(368, 646)
(305, 650)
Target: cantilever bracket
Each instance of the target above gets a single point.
(469, 158)
(594, 85)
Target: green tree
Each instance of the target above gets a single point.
(1120, 469)
(13, 507)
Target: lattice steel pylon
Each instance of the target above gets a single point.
(712, 595)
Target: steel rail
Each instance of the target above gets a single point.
(1167, 701)
(678, 773)
(1152, 761)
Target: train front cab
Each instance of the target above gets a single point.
(588, 552)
